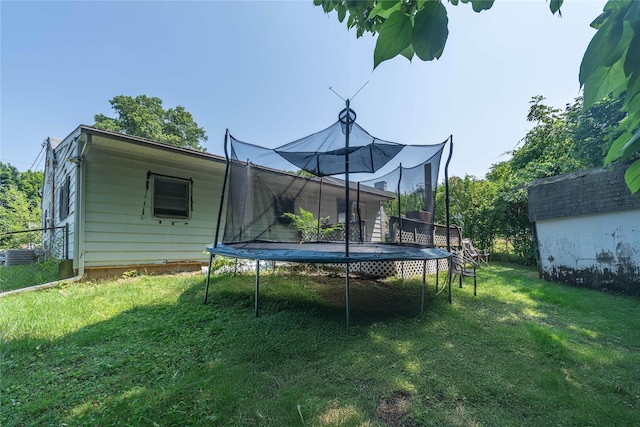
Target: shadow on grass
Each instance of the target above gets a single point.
(480, 361)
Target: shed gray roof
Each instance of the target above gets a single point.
(580, 193)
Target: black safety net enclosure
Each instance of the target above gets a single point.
(339, 195)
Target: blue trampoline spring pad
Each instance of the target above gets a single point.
(326, 252)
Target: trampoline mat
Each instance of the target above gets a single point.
(326, 252)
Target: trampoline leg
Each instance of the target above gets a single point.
(257, 286)
(450, 279)
(424, 286)
(437, 274)
(347, 296)
(206, 288)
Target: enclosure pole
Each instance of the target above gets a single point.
(399, 207)
(257, 285)
(206, 287)
(224, 186)
(319, 207)
(347, 213)
(347, 210)
(400, 219)
(346, 182)
(359, 214)
(446, 196)
(446, 192)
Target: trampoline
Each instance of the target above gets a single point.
(379, 195)
(327, 252)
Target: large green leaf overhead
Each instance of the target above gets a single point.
(394, 37)
(430, 31)
(611, 67)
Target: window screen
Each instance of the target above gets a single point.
(171, 197)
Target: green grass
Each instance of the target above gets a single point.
(146, 351)
(22, 276)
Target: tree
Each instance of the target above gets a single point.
(9, 174)
(144, 116)
(17, 213)
(19, 205)
(610, 66)
(29, 183)
(471, 207)
(561, 141)
(594, 129)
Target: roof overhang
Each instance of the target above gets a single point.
(134, 145)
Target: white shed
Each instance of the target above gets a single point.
(587, 230)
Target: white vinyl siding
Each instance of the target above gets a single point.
(60, 183)
(120, 228)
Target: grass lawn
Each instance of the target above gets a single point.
(145, 351)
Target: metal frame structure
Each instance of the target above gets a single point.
(329, 253)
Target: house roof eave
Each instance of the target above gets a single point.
(145, 142)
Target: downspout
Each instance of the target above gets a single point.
(78, 225)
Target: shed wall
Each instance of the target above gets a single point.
(597, 251)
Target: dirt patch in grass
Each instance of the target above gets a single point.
(392, 410)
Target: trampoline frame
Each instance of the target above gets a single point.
(294, 252)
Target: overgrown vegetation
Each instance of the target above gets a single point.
(310, 228)
(145, 351)
(19, 205)
(496, 207)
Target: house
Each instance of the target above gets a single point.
(130, 202)
(133, 203)
(586, 228)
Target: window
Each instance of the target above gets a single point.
(342, 209)
(281, 206)
(63, 198)
(171, 197)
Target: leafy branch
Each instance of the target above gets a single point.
(610, 66)
(310, 228)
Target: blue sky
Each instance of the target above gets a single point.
(263, 70)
